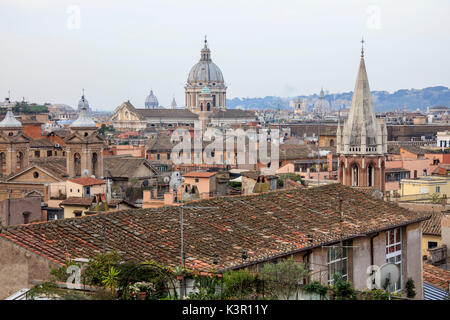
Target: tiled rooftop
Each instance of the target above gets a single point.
(433, 225)
(199, 174)
(436, 276)
(265, 225)
(87, 181)
(77, 201)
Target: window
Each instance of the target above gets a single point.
(355, 175)
(158, 156)
(37, 154)
(394, 254)
(438, 189)
(35, 174)
(432, 244)
(49, 153)
(337, 262)
(26, 217)
(196, 179)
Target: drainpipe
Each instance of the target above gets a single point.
(371, 247)
(9, 207)
(371, 253)
(306, 260)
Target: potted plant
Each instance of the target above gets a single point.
(142, 288)
(179, 272)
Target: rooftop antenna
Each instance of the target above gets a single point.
(176, 181)
(318, 138)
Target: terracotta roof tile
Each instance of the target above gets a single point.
(87, 181)
(199, 174)
(265, 225)
(433, 226)
(436, 276)
(78, 201)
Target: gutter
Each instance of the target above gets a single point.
(282, 255)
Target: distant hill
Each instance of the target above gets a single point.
(382, 100)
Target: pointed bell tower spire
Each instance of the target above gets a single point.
(362, 155)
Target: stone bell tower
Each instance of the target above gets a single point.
(84, 148)
(362, 143)
(14, 145)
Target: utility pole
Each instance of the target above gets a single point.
(181, 229)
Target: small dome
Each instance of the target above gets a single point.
(10, 121)
(151, 102)
(83, 121)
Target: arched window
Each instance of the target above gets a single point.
(355, 175)
(94, 163)
(77, 164)
(208, 107)
(201, 106)
(19, 160)
(331, 143)
(2, 163)
(370, 175)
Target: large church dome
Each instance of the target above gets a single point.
(151, 102)
(205, 70)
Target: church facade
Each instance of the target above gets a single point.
(362, 142)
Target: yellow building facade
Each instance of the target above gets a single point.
(424, 187)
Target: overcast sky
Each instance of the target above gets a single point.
(121, 49)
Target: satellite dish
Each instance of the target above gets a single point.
(166, 179)
(387, 272)
(85, 172)
(175, 180)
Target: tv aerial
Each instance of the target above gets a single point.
(175, 180)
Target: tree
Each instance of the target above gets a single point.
(282, 279)
(239, 284)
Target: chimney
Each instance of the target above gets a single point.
(168, 198)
